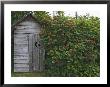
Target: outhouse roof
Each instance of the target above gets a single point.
(23, 18)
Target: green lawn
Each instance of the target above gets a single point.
(28, 74)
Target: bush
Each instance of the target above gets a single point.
(72, 46)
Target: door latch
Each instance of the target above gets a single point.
(36, 44)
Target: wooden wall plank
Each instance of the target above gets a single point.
(30, 53)
(38, 50)
(21, 57)
(21, 61)
(42, 55)
(21, 65)
(35, 53)
(27, 30)
(29, 23)
(21, 69)
(20, 51)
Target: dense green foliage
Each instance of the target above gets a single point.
(72, 44)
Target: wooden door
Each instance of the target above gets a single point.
(36, 53)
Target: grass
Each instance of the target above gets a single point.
(28, 74)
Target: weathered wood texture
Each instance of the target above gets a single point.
(28, 56)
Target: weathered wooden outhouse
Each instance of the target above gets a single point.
(27, 49)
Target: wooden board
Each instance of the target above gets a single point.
(35, 53)
(21, 61)
(21, 65)
(21, 57)
(21, 69)
(29, 23)
(30, 53)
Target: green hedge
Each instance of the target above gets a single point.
(72, 46)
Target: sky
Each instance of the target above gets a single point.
(82, 13)
(72, 13)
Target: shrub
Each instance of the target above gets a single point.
(72, 45)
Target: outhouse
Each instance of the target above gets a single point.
(27, 48)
